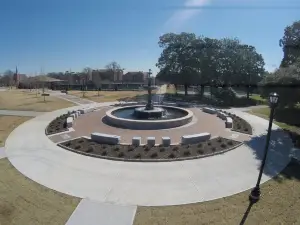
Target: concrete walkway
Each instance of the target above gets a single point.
(75, 99)
(20, 113)
(2, 153)
(148, 184)
(90, 212)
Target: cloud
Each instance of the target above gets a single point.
(190, 9)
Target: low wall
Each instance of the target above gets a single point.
(147, 124)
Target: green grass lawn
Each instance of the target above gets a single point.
(258, 98)
(265, 113)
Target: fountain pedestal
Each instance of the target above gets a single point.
(144, 113)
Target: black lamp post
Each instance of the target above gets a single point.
(255, 193)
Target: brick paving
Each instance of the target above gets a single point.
(202, 122)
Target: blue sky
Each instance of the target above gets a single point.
(60, 35)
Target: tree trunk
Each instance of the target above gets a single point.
(201, 91)
(185, 89)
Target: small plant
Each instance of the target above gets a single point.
(219, 140)
(162, 149)
(77, 147)
(223, 145)
(138, 156)
(200, 152)
(176, 148)
(68, 144)
(213, 149)
(80, 141)
(246, 129)
(121, 154)
(230, 143)
(130, 148)
(186, 153)
(188, 146)
(147, 148)
(154, 155)
(209, 143)
(104, 146)
(171, 156)
(104, 153)
(90, 149)
(199, 145)
(117, 148)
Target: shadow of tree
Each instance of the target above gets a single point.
(279, 152)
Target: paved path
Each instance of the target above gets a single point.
(149, 184)
(90, 212)
(2, 153)
(75, 99)
(20, 113)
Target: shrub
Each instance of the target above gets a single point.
(137, 156)
(176, 148)
(200, 152)
(171, 156)
(117, 148)
(199, 145)
(90, 149)
(154, 155)
(230, 142)
(68, 144)
(213, 149)
(104, 146)
(219, 140)
(209, 143)
(223, 145)
(121, 154)
(186, 153)
(77, 147)
(147, 148)
(162, 149)
(130, 148)
(104, 153)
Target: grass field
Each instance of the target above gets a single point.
(22, 201)
(108, 96)
(8, 124)
(30, 101)
(279, 204)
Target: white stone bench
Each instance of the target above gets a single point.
(170, 103)
(228, 122)
(70, 122)
(166, 141)
(136, 141)
(209, 110)
(105, 138)
(86, 110)
(222, 115)
(150, 141)
(195, 138)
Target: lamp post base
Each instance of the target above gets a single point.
(255, 195)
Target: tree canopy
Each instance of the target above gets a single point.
(190, 60)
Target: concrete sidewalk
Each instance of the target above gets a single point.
(90, 212)
(20, 113)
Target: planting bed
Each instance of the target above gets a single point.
(239, 124)
(58, 125)
(145, 153)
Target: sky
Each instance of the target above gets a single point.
(59, 35)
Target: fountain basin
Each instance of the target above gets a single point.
(124, 117)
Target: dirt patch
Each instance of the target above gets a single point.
(58, 125)
(149, 154)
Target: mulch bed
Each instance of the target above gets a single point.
(145, 153)
(57, 125)
(239, 124)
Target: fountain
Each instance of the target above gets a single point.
(148, 117)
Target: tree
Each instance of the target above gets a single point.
(115, 69)
(290, 44)
(177, 61)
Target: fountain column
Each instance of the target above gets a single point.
(149, 105)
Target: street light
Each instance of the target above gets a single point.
(255, 193)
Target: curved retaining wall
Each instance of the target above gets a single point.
(147, 124)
